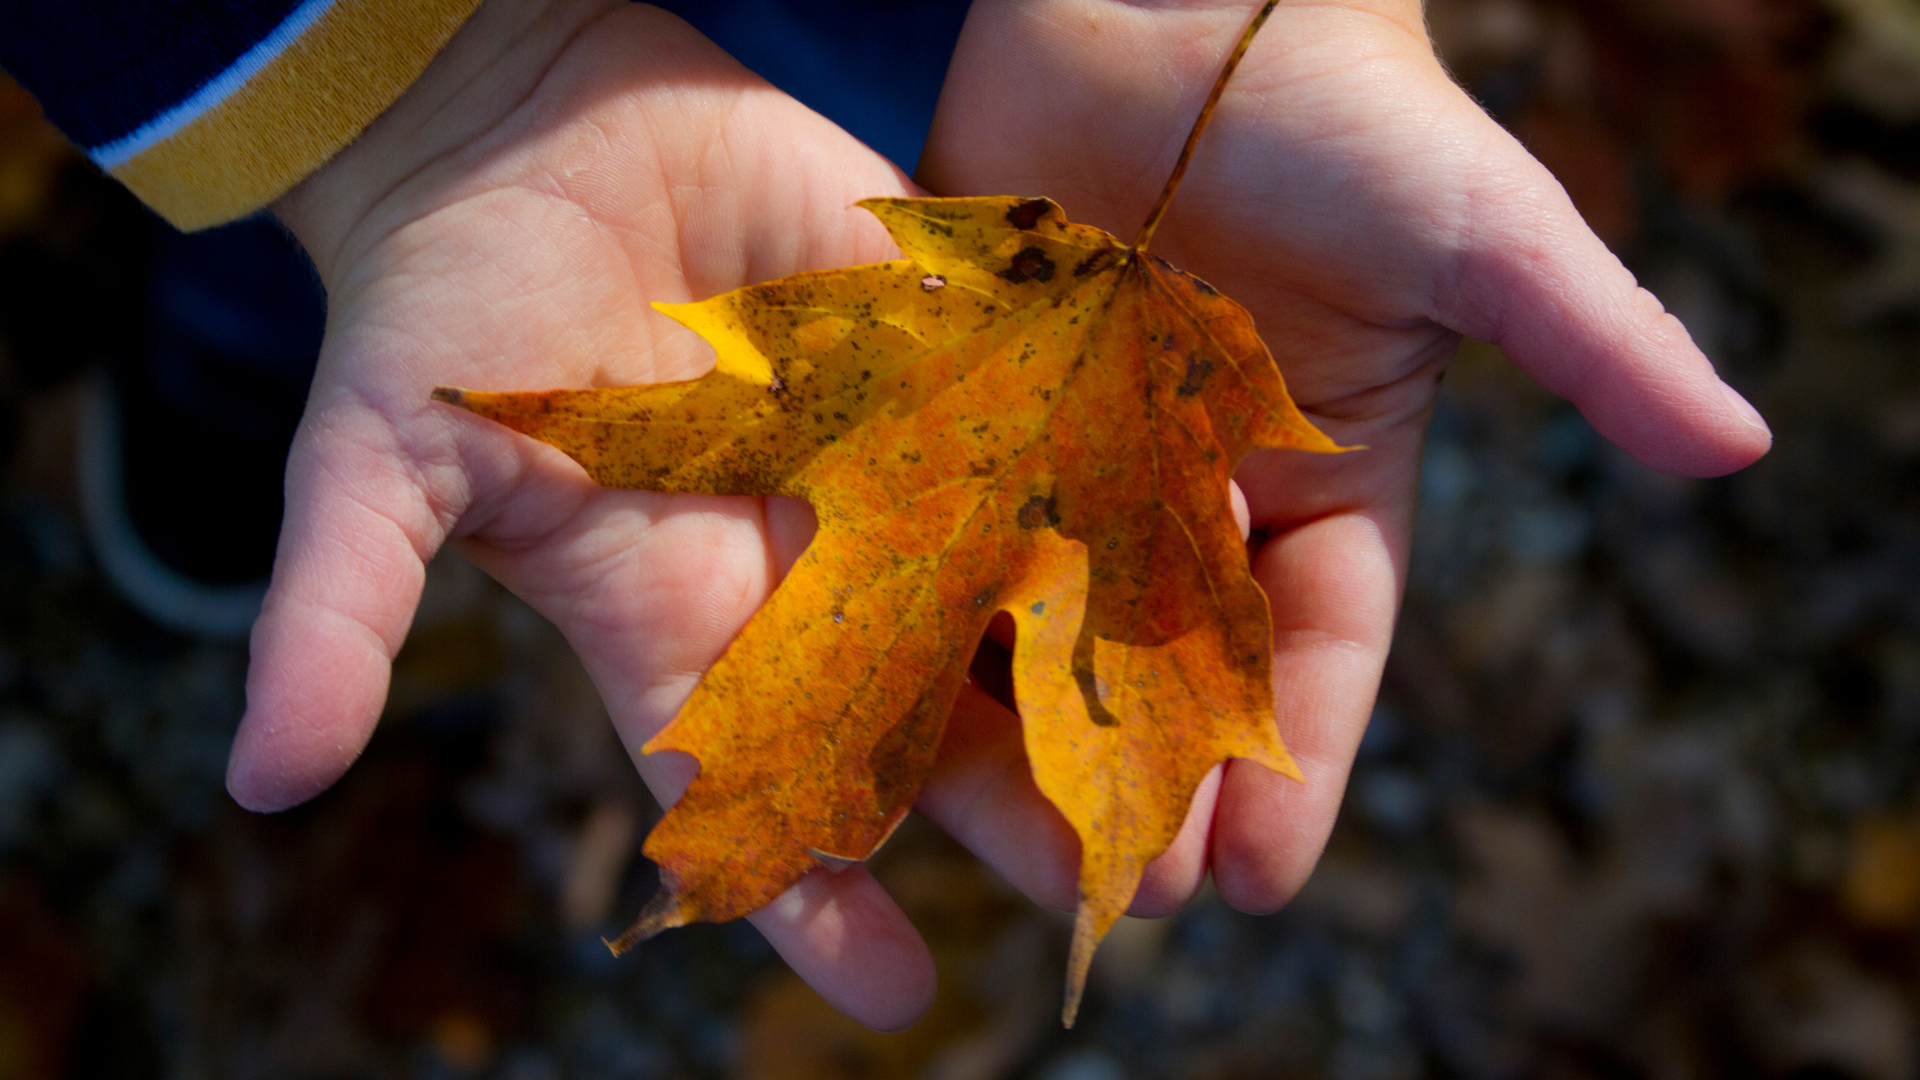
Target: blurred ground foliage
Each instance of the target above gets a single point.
(1639, 799)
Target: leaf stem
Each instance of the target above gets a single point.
(1200, 124)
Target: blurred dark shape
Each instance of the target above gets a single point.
(42, 977)
(208, 408)
(183, 445)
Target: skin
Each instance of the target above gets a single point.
(564, 162)
(1368, 213)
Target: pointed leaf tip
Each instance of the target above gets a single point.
(452, 395)
(1085, 939)
(661, 913)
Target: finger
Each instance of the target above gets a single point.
(1333, 584)
(846, 937)
(1237, 502)
(346, 581)
(650, 589)
(982, 793)
(1173, 878)
(1530, 277)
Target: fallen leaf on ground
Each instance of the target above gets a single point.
(1023, 415)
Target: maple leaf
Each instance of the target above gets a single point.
(1022, 415)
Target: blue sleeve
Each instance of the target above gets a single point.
(102, 70)
(210, 109)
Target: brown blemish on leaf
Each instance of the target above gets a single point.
(1094, 263)
(1031, 264)
(1026, 215)
(1038, 511)
(1196, 380)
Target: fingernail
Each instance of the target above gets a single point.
(1745, 410)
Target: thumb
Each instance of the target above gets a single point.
(346, 581)
(1530, 277)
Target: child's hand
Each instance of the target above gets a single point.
(1367, 212)
(504, 226)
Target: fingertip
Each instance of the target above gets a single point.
(1532, 278)
(1334, 588)
(313, 699)
(255, 784)
(1752, 443)
(982, 793)
(1718, 433)
(1256, 870)
(1173, 878)
(843, 935)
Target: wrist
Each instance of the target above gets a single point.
(387, 175)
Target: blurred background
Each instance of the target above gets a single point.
(1639, 799)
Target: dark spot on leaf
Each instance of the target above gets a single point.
(986, 596)
(1039, 510)
(1028, 214)
(1096, 261)
(1031, 264)
(1196, 380)
(1038, 606)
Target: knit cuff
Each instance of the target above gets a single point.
(282, 109)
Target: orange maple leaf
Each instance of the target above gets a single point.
(1023, 415)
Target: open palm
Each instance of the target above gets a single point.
(505, 226)
(1368, 213)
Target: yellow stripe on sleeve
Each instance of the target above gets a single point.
(315, 97)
